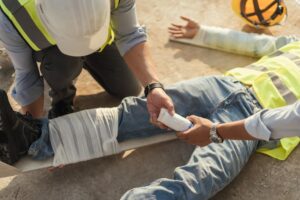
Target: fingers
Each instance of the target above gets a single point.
(185, 18)
(177, 25)
(157, 123)
(170, 106)
(176, 32)
(156, 100)
(193, 118)
(172, 28)
(182, 136)
(162, 126)
(190, 21)
(153, 117)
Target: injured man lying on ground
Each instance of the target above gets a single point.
(238, 95)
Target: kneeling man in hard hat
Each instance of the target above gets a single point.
(103, 36)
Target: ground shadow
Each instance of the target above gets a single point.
(90, 180)
(102, 99)
(6, 77)
(250, 29)
(222, 61)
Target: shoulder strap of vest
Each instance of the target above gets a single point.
(23, 22)
(111, 34)
(116, 4)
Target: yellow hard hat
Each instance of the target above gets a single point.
(260, 13)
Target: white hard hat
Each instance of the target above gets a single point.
(79, 27)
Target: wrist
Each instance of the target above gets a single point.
(234, 131)
(150, 87)
(220, 131)
(214, 136)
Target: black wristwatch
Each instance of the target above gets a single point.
(152, 86)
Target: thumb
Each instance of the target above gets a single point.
(185, 18)
(153, 117)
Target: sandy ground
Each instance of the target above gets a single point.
(110, 177)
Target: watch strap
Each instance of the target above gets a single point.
(214, 137)
(152, 86)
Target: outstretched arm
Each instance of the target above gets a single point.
(131, 40)
(265, 125)
(249, 44)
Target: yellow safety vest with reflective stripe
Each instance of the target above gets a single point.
(23, 15)
(275, 79)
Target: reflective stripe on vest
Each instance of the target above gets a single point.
(274, 78)
(23, 15)
(275, 81)
(286, 93)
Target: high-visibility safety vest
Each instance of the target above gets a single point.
(276, 83)
(24, 17)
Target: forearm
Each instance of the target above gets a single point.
(35, 108)
(265, 125)
(131, 42)
(140, 62)
(234, 131)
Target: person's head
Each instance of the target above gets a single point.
(79, 27)
(260, 13)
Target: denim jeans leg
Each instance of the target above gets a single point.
(41, 149)
(198, 96)
(212, 167)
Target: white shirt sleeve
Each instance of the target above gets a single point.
(275, 123)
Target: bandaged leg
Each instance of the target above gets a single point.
(105, 131)
(84, 135)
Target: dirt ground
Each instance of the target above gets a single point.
(108, 178)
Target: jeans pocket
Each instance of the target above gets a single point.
(238, 105)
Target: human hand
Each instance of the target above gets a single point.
(189, 30)
(199, 133)
(157, 99)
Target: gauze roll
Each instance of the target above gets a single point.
(84, 135)
(175, 122)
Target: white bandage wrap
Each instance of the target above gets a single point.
(175, 122)
(84, 135)
(232, 41)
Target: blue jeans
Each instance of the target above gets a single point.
(210, 169)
